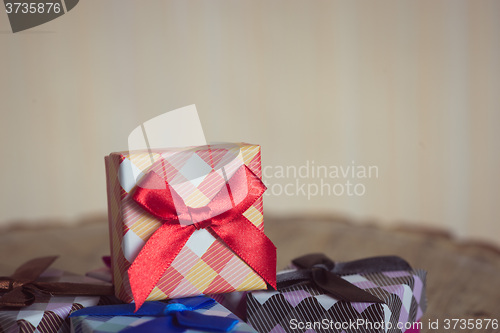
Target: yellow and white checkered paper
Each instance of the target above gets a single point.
(205, 265)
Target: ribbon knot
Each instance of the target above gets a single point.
(22, 287)
(175, 307)
(178, 315)
(325, 274)
(12, 284)
(221, 216)
(322, 266)
(203, 224)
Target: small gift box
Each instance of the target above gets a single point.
(187, 221)
(192, 314)
(37, 298)
(381, 294)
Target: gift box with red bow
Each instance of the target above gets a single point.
(373, 295)
(37, 298)
(187, 221)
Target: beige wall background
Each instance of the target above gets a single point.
(411, 87)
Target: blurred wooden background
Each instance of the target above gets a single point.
(462, 276)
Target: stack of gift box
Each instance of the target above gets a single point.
(189, 254)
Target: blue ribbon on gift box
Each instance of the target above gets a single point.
(176, 316)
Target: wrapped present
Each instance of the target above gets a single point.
(187, 221)
(380, 294)
(190, 315)
(37, 298)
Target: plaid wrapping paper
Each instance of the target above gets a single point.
(108, 324)
(204, 265)
(49, 314)
(402, 291)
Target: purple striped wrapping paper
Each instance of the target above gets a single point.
(49, 314)
(297, 308)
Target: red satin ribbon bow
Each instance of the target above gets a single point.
(237, 232)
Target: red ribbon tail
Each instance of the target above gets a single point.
(155, 257)
(256, 249)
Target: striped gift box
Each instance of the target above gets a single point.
(49, 314)
(305, 308)
(205, 265)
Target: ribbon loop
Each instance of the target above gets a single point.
(21, 288)
(325, 274)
